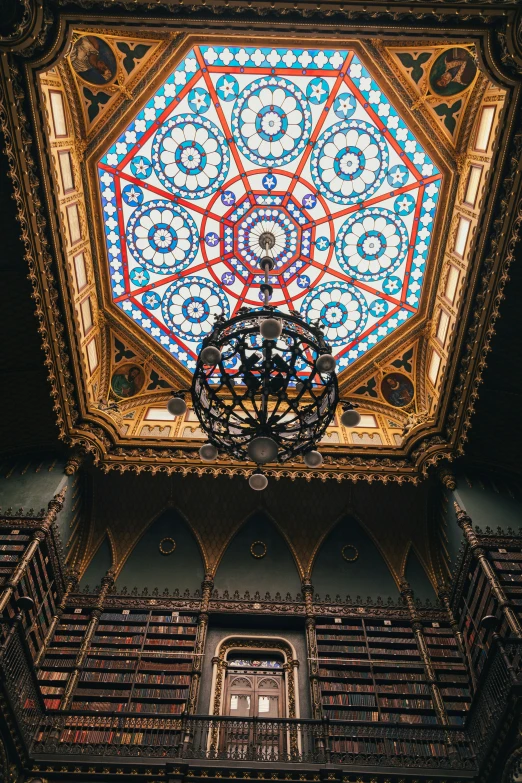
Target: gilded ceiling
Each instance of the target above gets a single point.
(167, 150)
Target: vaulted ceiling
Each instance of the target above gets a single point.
(29, 411)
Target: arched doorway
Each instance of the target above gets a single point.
(254, 692)
(254, 686)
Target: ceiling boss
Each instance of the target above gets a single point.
(268, 217)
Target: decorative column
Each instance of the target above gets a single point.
(418, 630)
(74, 461)
(443, 595)
(464, 522)
(106, 583)
(40, 534)
(447, 478)
(199, 647)
(311, 646)
(70, 585)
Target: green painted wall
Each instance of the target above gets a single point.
(274, 573)
(368, 576)
(490, 500)
(98, 566)
(418, 579)
(148, 567)
(32, 482)
(452, 533)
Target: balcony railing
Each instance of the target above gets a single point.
(48, 734)
(252, 740)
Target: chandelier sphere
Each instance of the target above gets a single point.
(265, 400)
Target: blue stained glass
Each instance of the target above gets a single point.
(300, 143)
(317, 91)
(199, 100)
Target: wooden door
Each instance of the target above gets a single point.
(253, 694)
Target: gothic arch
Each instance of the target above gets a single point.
(368, 574)
(262, 524)
(98, 559)
(346, 514)
(150, 523)
(147, 564)
(413, 560)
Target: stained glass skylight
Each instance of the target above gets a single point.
(239, 141)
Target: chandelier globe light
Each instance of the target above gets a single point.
(264, 389)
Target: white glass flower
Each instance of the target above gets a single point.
(372, 244)
(162, 237)
(349, 161)
(340, 310)
(190, 157)
(191, 307)
(271, 122)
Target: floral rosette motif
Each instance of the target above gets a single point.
(271, 121)
(372, 244)
(162, 237)
(349, 161)
(191, 156)
(340, 309)
(190, 305)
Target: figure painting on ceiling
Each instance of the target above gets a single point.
(93, 60)
(397, 389)
(127, 381)
(452, 72)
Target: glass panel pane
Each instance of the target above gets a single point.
(268, 707)
(484, 128)
(240, 705)
(475, 174)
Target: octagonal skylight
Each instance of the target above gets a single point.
(239, 141)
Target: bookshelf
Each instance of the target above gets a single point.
(38, 580)
(371, 670)
(507, 562)
(61, 655)
(138, 661)
(450, 669)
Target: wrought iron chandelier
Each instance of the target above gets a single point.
(264, 388)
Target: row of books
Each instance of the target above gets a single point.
(442, 640)
(153, 618)
(406, 704)
(507, 565)
(353, 715)
(398, 747)
(156, 629)
(345, 687)
(340, 637)
(350, 699)
(350, 674)
(404, 687)
(110, 736)
(142, 678)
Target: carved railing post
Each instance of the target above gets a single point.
(418, 630)
(199, 647)
(311, 647)
(74, 462)
(443, 594)
(70, 585)
(106, 583)
(40, 534)
(447, 478)
(465, 523)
